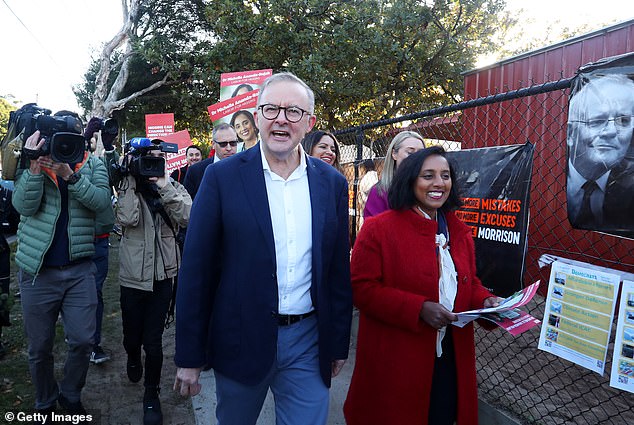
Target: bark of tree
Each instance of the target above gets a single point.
(105, 100)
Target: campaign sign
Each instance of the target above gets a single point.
(233, 84)
(183, 140)
(495, 186)
(157, 125)
(600, 166)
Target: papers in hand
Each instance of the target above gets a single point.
(506, 315)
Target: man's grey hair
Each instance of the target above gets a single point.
(217, 128)
(585, 99)
(292, 78)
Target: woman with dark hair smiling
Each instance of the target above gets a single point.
(412, 267)
(323, 145)
(244, 124)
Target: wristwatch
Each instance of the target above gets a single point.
(73, 178)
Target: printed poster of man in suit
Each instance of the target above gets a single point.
(600, 169)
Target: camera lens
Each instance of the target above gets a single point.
(67, 147)
(111, 126)
(151, 166)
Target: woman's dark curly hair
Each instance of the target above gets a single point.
(401, 192)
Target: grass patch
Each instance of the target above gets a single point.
(16, 388)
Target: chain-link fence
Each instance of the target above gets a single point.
(513, 374)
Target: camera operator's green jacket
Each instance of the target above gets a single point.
(148, 250)
(37, 198)
(104, 221)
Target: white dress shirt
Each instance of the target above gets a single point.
(291, 217)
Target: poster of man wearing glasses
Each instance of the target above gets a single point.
(600, 170)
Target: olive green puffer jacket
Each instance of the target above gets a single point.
(37, 198)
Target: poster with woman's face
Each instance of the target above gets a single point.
(239, 93)
(600, 167)
(233, 84)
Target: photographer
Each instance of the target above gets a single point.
(57, 202)
(150, 209)
(100, 136)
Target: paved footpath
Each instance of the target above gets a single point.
(205, 402)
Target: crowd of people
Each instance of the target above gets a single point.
(252, 246)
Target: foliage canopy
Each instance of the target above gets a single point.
(365, 59)
(5, 108)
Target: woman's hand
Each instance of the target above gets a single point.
(436, 315)
(492, 302)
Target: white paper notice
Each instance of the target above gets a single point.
(578, 315)
(622, 375)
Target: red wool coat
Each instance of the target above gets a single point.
(394, 271)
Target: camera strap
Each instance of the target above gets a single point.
(169, 319)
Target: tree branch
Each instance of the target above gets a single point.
(120, 104)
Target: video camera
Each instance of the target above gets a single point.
(142, 164)
(62, 135)
(110, 126)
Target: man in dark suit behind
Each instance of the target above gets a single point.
(600, 178)
(265, 298)
(192, 156)
(225, 144)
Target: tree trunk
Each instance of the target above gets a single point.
(105, 100)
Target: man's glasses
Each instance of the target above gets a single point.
(233, 143)
(292, 113)
(621, 122)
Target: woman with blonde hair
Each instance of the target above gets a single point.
(403, 145)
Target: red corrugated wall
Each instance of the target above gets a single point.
(542, 120)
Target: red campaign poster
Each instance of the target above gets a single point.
(223, 111)
(183, 140)
(157, 125)
(233, 84)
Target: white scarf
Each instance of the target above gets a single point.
(447, 284)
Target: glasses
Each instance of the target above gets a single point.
(623, 121)
(233, 143)
(292, 113)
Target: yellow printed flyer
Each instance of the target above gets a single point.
(578, 315)
(622, 375)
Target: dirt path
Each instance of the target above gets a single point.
(119, 401)
(108, 389)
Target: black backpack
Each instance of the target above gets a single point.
(20, 126)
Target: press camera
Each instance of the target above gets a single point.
(62, 135)
(109, 126)
(142, 164)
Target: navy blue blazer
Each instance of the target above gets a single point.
(195, 175)
(227, 294)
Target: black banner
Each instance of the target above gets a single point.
(495, 187)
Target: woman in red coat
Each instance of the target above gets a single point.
(411, 267)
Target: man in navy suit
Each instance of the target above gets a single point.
(264, 295)
(225, 143)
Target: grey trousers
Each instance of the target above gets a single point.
(71, 292)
